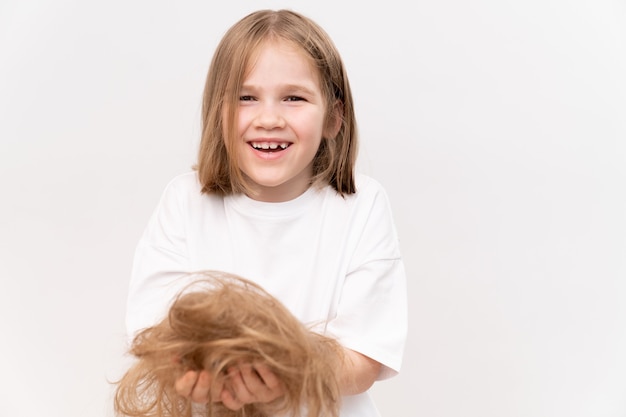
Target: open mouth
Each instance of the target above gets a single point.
(270, 146)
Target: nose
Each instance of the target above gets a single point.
(269, 116)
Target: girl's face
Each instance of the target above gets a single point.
(281, 122)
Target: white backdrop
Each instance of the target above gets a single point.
(497, 126)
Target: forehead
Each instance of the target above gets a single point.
(280, 56)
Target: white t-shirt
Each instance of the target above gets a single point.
(333, 261)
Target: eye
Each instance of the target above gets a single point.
(246, 98)
(294, 98)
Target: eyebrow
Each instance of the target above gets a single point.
(292, 88)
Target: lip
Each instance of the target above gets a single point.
(274, 141)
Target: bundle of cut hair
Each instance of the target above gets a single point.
(219, 321)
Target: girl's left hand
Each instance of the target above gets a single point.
(244, 384)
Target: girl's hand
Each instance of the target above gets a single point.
(243, 384)
(195, 386)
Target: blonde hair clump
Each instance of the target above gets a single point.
(222, 320)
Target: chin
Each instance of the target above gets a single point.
(266, 182)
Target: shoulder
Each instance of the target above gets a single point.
(367, 185)
(371, 203)
(187, 181)
(369, 191)
(185, 190)
(186, 185)
(368, 204)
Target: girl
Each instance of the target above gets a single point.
(274, 198)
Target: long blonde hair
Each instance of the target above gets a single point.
(217, 322)
(334, 163)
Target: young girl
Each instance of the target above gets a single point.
(274, 198)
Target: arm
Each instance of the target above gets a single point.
(358, 373)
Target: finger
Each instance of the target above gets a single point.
(200, 391)
(268, 377)
(184, 385)
(251, 380)
(239, 387)
(261, 390)
(229, 399)
(216, 388)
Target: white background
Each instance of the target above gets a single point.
(498, 128)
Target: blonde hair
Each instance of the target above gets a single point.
(334, 163)
(217, 322)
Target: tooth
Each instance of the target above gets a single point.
(273, 146)
(265, 146)
(283, 146)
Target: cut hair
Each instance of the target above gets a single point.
(219, 321)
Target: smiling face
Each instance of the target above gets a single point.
(280, 124)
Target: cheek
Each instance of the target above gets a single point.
(242, 120)
(312, 125)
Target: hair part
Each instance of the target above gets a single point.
(334, 163)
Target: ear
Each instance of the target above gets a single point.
(335, 119)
